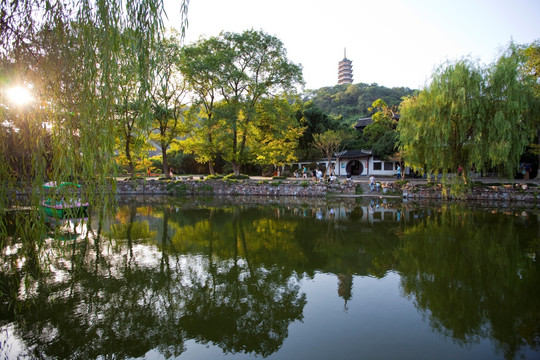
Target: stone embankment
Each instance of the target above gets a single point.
(485, 192)
(235, 187)
(410, 190)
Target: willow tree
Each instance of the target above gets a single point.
(531, 67)
(468, 118)
(75, 109)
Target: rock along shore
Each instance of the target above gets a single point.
(519, 192)
(235, 187)
(513, 192)
(484, 192)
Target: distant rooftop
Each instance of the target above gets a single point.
(362, 123)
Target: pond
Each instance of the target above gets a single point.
(244, 278)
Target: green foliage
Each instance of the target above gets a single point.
(236, 177)
(331, 142)
(249, 70)
(469, 117)
(401, 183)
(206, 188)
(531, 66)
(72, 55)
(315, 121)
(381, 135)
(167, 96)
(214, 177)
(386, 145)
(275, 137)
(353, 101)
(304, 183)
(178, 188)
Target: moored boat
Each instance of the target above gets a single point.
(61, 206)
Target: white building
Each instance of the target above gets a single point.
(357, 163)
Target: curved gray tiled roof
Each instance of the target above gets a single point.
(362, 123)
(349, 154)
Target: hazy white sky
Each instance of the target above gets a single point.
(390, 42)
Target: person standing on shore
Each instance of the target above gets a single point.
(372, 182)
(398, 172)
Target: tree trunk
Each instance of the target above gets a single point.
(131, 167)
(538, 142)
(165, 161)
(236, 168)
(211, 168)
(329, 169)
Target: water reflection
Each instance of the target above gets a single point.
(228, 273)
(468, 273)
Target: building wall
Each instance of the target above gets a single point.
(370, 166)
(383, 168)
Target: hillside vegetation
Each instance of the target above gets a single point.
(352, 101)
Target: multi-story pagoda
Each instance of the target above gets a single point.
(345, 70)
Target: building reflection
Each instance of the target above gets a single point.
(228, 273)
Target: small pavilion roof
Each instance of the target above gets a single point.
(362, 123)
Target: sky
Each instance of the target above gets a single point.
(393, 43)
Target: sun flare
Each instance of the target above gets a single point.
(19, 95)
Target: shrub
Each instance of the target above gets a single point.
(279, 177)
(304, 183)
(267, 171)
(236, 177)
(214, 177)
(206, 188)
(286, 173)
(401, 183)
(177, 188)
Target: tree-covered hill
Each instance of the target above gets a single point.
(352, 101)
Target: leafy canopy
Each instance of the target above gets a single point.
(469, 117)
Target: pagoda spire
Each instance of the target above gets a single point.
(345, 70)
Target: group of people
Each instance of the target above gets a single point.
(316, 174)
(304, 173)
(373, 184)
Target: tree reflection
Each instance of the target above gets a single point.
(236, 301)
(467, 271)
(122, 300)
(229, 276)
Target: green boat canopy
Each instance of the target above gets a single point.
(54, 185)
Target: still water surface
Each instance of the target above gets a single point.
(249, 278)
